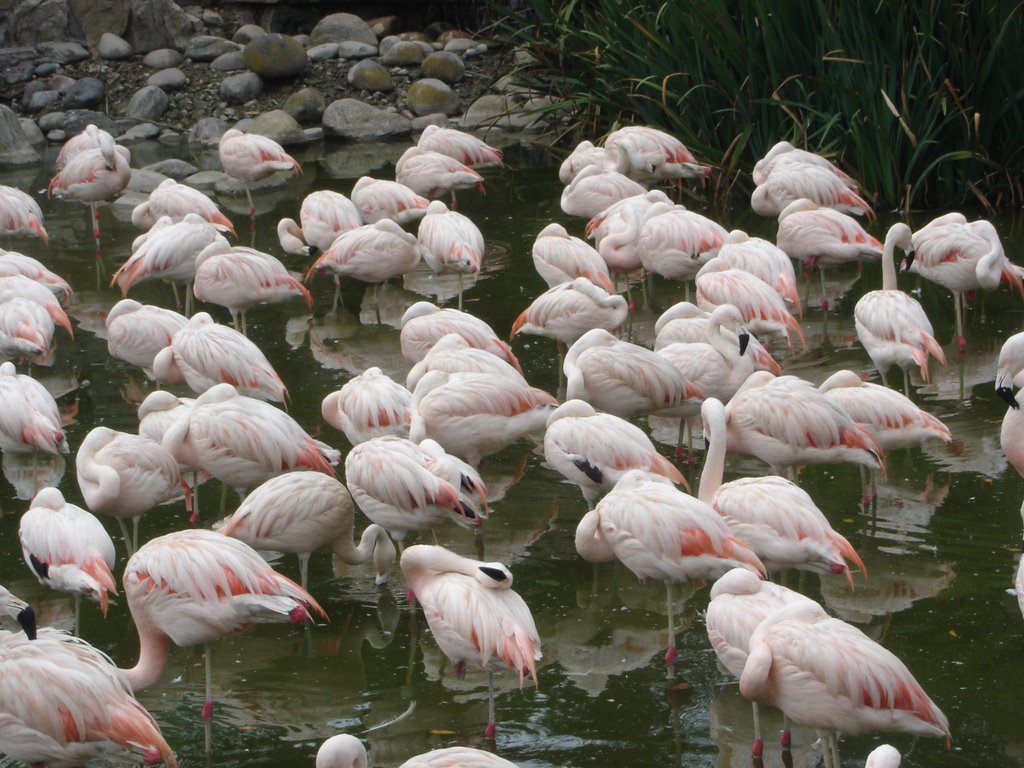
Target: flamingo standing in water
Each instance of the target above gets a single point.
(464, 147)
(567, 311)
(379, 199)
(249, 157)
(302, 512)
(423, 325)
(583, 154)
(452, 353)
(648, 154)
(20, 214)
(323, 216)
(29, 417)
(137, 332)
(344, 751)
(474, 614)
(19, 286)
(560, 258)
(595, 189)
(791, 176)
(764, 260)
(433, 174)
(370, 405)
(177, 201)
(14, 263)
(450, 242)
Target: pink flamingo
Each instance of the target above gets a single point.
(14, 263)
(660, 532)
(583, 154)
(594, 190)
(450, 242)
(423, 325)
(370, 405)
(91, 137)
(686, 323)
(791, 176)
(177, 201)
(29, 418)
(26, 330)
(300, 513)
(452, 353)
(26, 288)
(560, 258)
(20, 214)
(344, 751)
(763, 259)
(137, 332)
(567, 311)
(249, 157)
(675, 242)
(379, 199)
(648, 154)
(764, 166)
(464, 147)
(323, 216)
(474, 614)
(433, 174)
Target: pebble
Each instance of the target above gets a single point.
(169, 79)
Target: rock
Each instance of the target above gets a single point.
(419, 124)
(459, 45)
(491, 109)
(370, 75)
(403, 53)
(56, 137)
(444, 66)
(31, 89)
(145, 181)
(140, 132)
(19, 73)
(161, 24)
(353, 49)
(231, 61)
(306, 105)
(148, 103)
(172, 168)
(275, 56)
(33, 133)
(205, 181)
(207, 132)
(240, 88)
(208, 48)
(40, 100)
(15, 149)
(59, 83)
(62, 53)
(339, 27)
(162, 58)
(75, 120)
(356, 120)
(432, 95)
(44, 70)
(383, 25)
(169, 79)
(233, 188)
(32, 22)
(113, 48)
(52, 121)
(323, 52)
(279, 126)
(97, 17)
(84, 93)
(247, 33)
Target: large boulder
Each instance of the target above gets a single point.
(356, 120)
(148, 103)
(97, 17)
(36, 21)
(15, 149)
(275, 56)
(161, 24)
(341, 27)
(84, 93)
(432, 95)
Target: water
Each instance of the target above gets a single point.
(940, 547)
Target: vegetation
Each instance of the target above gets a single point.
(920, 101)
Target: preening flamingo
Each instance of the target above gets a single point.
(659, 532)
(137, 332)
(29, 418)
(454, 354)
(19, 286)
(379, 199)
(423, 325)
(675, 243)
(249, 157)
(323, 215)
(648, 154)
(370, 405)
(14, 263)
(344, 751)
(616, 232)
(763, 259)
(474, 614)
(26, 331)
(450, 242)
(568, 310)
(20, 214)
(791, 176)
(177, 201)
(891, 325)
(583, 154)
(91, 137)
(464, 147)
(560, 258)
(300, 513)
(433, 174)
(594, 189)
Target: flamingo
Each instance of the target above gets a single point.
(249, 157)
(763, 259)
(91, 137)
(822, 237)
(29, 417)
(423, 325)
(764, 166)
(64, 703)
(369, 405)
(786, 421)
(452, 353)
(827, 674)
(344, 751)
(14, 263)
(433, 174)
(473, 415)
(675, 243)
(372, 253)
(26, 330)
(126, 475)
(20, 214)
(300, 513)
(177, 201)
(616, 231)
(583, 154)
(660, 532)
(648, 154)
(19, 286)
(684, 323)
(772, 515)
(137, 332)
(450, 242)
(884, 756)
(567, 311)
(323, 215)
(379, 199)
(397, 485)
(594, 450)
(159, 410)
(67, 549)
(892, 326)
(464, 147)
(594, 189)
(740, 600)
(195, 586)
(791, 176)
(560, 258)
(474, 614)
(238, 278)
(205, 353)
(961, 257)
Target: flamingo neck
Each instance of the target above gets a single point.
(714, 458)
(888, 265)
(153, 648)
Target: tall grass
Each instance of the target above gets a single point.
(921, 101)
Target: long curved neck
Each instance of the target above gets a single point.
(346, 550)
(714, 458)
(153, 648)
(888, 265)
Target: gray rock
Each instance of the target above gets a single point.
(114, 48)
(279, 126)
(353, 49)
(403, 53)
(247, 33)
(444, 66)
(275, 56)
(43, 70)
(207, 132)
(233, 188)
(205, 181)
(181, 26)
(339, 27)
(240, 88)
(231, 61)
(161, 24)
(208, 48)
(432, 95)
(33, 133)
(22, 71)
(56, 136)
(75, 120)
(306, 105)
(172, 168)
(84, 93)
(52, 121)
(490, 109)
(31, 90)
(140, 132)
(62, 53)
(145, 181)
(211, 18)
(96, 17)
(459, 45)
(436, 118)
(162, 58)
(40, 100)
(59, 83)
(323, 52)
(356, 120)
(169, 79)
(304, 40)
(148, 103)
(31, 22)
(370, 75)
(15, 149)
(386, 43)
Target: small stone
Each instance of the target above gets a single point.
(275, 56)
(240, 88)
(418, 37)
(169, 79)
(56, 136)
(205, 181)
(432, 95)
(459, 45)
(323, 52)
(84, 93)
(111, 47)
(339, 27)
(62, 53)
(370, 75)
(356, 120)
(212, 19)
(33, 133)
(51, 121)
(207, 132)
(247, 33)
(162, 58)
(435, 118)
(172, 168)
(140, 132)
(75, 120)
(148, 103)
(304, 40)
(45, 69)
(208, 48)
(447, 35)
(353, 49)
(59, 83)
(306, 105)
(145, 181)
(232, 61)
(403, 53)
(31, 89)
(445, 66)
(19, 73)
(279, 126)
(40, 100)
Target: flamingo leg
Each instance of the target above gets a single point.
(78, 614)
(492, 722)
(194, 517)
(304, 570)
(126, 535)
(824, 296)
(786, 740)
(135, 534)
(460, 290)
(252, 206)
(670, 654)
(337, 293)
(906, 382)
(376, 299)
(208, 702)
(757, 748)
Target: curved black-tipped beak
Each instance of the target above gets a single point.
(744, 341)
(908, 260)
(27, 620)
(1006, 394)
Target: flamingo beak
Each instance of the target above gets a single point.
(744, 341)
(27, 620)
(908, 260)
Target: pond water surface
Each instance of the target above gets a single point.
(940, 547)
